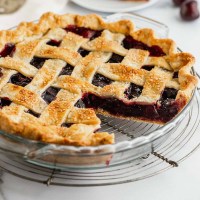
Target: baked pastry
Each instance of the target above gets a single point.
(58, 73)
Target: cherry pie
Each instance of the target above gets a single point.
(55, 75)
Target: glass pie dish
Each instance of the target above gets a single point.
(133, 139)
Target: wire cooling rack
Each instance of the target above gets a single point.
(184, 140)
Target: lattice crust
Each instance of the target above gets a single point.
(31, 116)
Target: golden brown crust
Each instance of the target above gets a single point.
(31, 38)
(78, 134)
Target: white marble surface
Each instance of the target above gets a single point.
(179, 183)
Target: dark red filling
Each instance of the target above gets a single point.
(130, 43)
(4, 101)
(38, 62)
(175, 75)
(19, 79)
(169, 93)
(162, 111)
(67, 125)
(84, 32)
(50, 94)
(133, 91)
(148, 67)
(67, 70)
(54, 43)
(33, 113)
(115, 58)
(83, 52)
(100, 80)
(1, 73)
(8, 50)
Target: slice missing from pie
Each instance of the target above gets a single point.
(57, 74)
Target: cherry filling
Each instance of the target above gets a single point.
(148, 67)
(54, 43)
(4, 101)
(8, 50)
(168, 109)
(33, 113)
(19, 79)
(115, 58)
(83, 52)
(175, 75)
(67, 125)
(96, 35)
(169, 93)
(38, 62)
(67, 70)
(130, 43)
(50, 94)
(84, 32)
(101, 81)
(162, 111)
(133, 91)
(1, 73)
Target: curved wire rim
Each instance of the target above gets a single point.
(110, 148)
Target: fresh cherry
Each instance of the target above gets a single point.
(189, 10)
(178, 2)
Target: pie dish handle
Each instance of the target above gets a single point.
(53, 155)
(161, 30)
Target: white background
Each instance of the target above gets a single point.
(178, 183)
